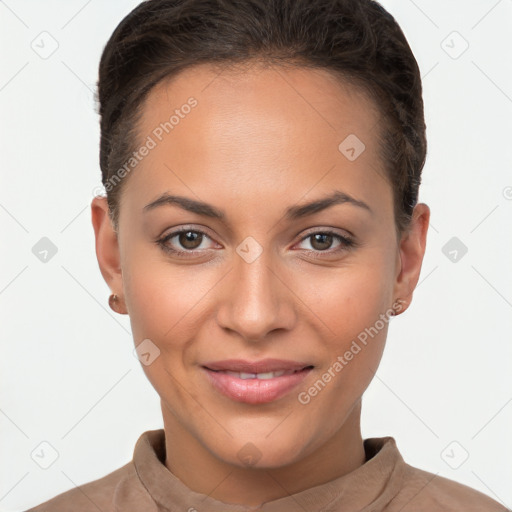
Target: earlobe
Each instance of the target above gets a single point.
(107, 249)
(411, 251)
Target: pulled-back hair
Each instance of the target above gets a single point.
(357, 40)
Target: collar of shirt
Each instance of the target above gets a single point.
(370, 487)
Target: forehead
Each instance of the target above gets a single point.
(255, 129)
(265, 93)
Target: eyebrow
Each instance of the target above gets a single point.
(292, 213)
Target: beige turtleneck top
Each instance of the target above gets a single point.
(384, 483)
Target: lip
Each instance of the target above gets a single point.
(253, 390)
(263, 366)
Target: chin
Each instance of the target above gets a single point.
(260, 452)
(250, 457)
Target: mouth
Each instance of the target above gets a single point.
(256, 367)
(259, 376)
(256, 383)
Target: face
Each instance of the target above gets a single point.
(250, 274)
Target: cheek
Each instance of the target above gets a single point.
(162, 298)
(348, 300)
(360, 305)
(162, 302)
(352, 309)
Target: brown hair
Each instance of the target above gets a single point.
(357, 40)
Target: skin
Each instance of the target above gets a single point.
(257, 143)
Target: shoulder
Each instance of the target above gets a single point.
(422, 491)
(100, 494)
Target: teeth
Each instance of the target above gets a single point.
(261, 376)
(270, 375)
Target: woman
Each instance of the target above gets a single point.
(261, 227)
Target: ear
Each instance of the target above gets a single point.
(107, 249)
(411, 251)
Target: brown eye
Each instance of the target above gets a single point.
(190, 239)
(321, 241)
(327, 242)
(184, 242)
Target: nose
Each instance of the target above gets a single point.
(257, 300)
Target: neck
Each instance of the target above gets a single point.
(340, 454)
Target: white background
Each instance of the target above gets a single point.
(68, 374)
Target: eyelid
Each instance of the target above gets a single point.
(204, 230)
(183, 229)
(346, 241)
(186, 227)
(325, 229)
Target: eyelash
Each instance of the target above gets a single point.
(346, 243)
